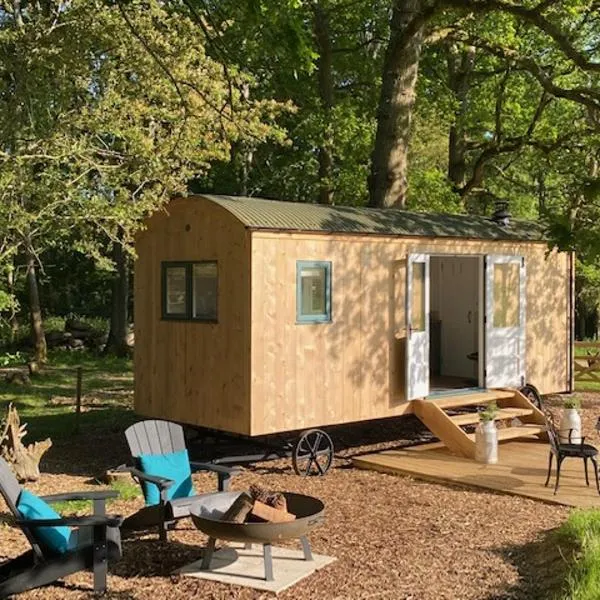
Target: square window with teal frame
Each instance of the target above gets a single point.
(313, 291)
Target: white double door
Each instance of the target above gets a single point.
(502, 343)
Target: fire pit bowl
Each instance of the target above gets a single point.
(207, 513)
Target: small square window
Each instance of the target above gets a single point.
(313, 294)
(190, 291)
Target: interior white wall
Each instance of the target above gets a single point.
(454, 301)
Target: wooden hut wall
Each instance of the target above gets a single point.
(353, 368)
(187, 371)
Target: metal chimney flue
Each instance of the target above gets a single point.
(501, 214)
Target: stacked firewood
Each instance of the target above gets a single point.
(259, 506)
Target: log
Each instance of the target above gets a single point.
(274, 499)
(239, 510)
(19, 377)
(25, 460)
(113, 476)
(264, 512)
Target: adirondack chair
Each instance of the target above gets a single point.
(93, 541)
(168, 499)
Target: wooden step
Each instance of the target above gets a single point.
(503, 413)
(510, 433)
(446, 402)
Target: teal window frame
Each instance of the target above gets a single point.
(318, 318)
(189, 290)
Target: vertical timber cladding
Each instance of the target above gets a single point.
(352, 369)
(194, 372)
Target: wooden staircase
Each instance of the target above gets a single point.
(437, 415)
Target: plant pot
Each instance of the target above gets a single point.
(486, 443)
(570, 420)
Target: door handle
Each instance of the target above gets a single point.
(469, 316)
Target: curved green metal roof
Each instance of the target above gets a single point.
(258, 213)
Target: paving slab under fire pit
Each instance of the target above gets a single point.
(237, 565)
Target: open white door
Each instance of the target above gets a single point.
(417, 326)
(504, 321)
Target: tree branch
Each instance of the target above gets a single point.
(534, 17)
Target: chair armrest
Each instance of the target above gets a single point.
(98, 495)
(162, 482)
(224, 474)
(85, 521)
(198, 466)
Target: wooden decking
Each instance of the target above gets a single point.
(521, 470)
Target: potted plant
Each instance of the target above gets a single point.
(486, 436)
(570, 421)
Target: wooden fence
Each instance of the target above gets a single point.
(587, 362)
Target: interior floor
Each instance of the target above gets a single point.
(441, 383)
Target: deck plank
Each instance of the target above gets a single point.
(521, 471)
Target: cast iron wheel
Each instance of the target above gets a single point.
(313, 453)
(531, 393)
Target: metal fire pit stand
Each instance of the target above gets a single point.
(267, 555)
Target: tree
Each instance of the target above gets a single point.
(105, 113)
(566, 32)
(324, 57)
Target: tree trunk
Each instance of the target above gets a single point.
(35, 311)
(325, 79)
(388, 183)
(460, 67)
(12, 319)
(119, 330)
(245, 152)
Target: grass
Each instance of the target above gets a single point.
(48, 403)
(127, 491)
(580, 535)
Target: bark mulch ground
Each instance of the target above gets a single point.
(394, 537)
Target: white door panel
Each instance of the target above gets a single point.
(417, 326)
(504, 321)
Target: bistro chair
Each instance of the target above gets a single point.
(562, 450)
(60, 546)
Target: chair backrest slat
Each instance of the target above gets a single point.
(9, 487)
(553, 437)
(155, 437)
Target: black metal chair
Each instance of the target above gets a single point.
(155, 437)
(562, 450)
(93, 542)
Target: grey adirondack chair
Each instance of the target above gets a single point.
(153, 437)
(93, 542)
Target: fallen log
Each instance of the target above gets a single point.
(25, 460)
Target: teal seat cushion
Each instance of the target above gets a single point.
(55, 539)
(174, 466)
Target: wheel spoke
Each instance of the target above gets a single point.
(317, 443)
(324, 452)
(309, 464)
(319, 467)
